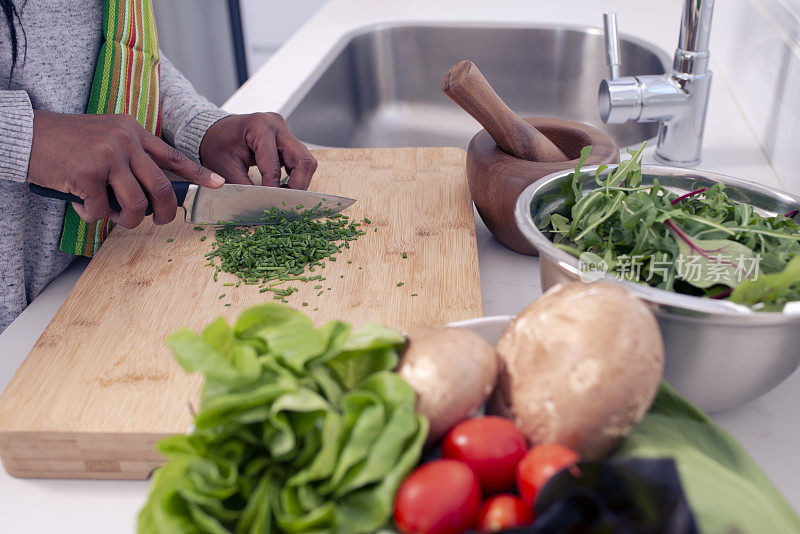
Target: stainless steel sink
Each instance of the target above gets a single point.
(380, 86)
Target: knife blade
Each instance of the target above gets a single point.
(234, 203)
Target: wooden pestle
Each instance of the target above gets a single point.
(467, 87)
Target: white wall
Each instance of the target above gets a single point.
(755, 48)
(792, 5)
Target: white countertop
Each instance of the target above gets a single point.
(766, 427)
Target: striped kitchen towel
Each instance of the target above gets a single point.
(126, 80)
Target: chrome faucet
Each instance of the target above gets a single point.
(678, 100)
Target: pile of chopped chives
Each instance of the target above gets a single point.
(281, 248)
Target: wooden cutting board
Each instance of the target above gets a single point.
(100, 386)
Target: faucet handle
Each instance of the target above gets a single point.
(619, 99)
(612, 43)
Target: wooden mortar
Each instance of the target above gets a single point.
(496, 179)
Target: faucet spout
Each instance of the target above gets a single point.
(695, 25)
(677, 100)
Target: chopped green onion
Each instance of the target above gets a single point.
(281, 248)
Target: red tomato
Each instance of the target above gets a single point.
(440, 497)
(502, 512)
(541, 462)
(491, 446)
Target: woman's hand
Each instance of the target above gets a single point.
(236, 142)
(82, 154)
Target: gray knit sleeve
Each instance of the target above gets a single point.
(185, 115)
(16, 134)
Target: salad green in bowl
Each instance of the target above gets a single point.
(714, 256)
(704, 242)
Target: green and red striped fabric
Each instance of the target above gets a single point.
(126, 80)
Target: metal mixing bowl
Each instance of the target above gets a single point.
(718, 354)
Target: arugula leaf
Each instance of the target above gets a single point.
(772, 290)
(707, 262)
(700, 243)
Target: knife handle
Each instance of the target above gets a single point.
(180, 188)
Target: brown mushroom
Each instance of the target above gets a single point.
(453, 371)
(580, 367)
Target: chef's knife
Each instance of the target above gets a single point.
(235, 203)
